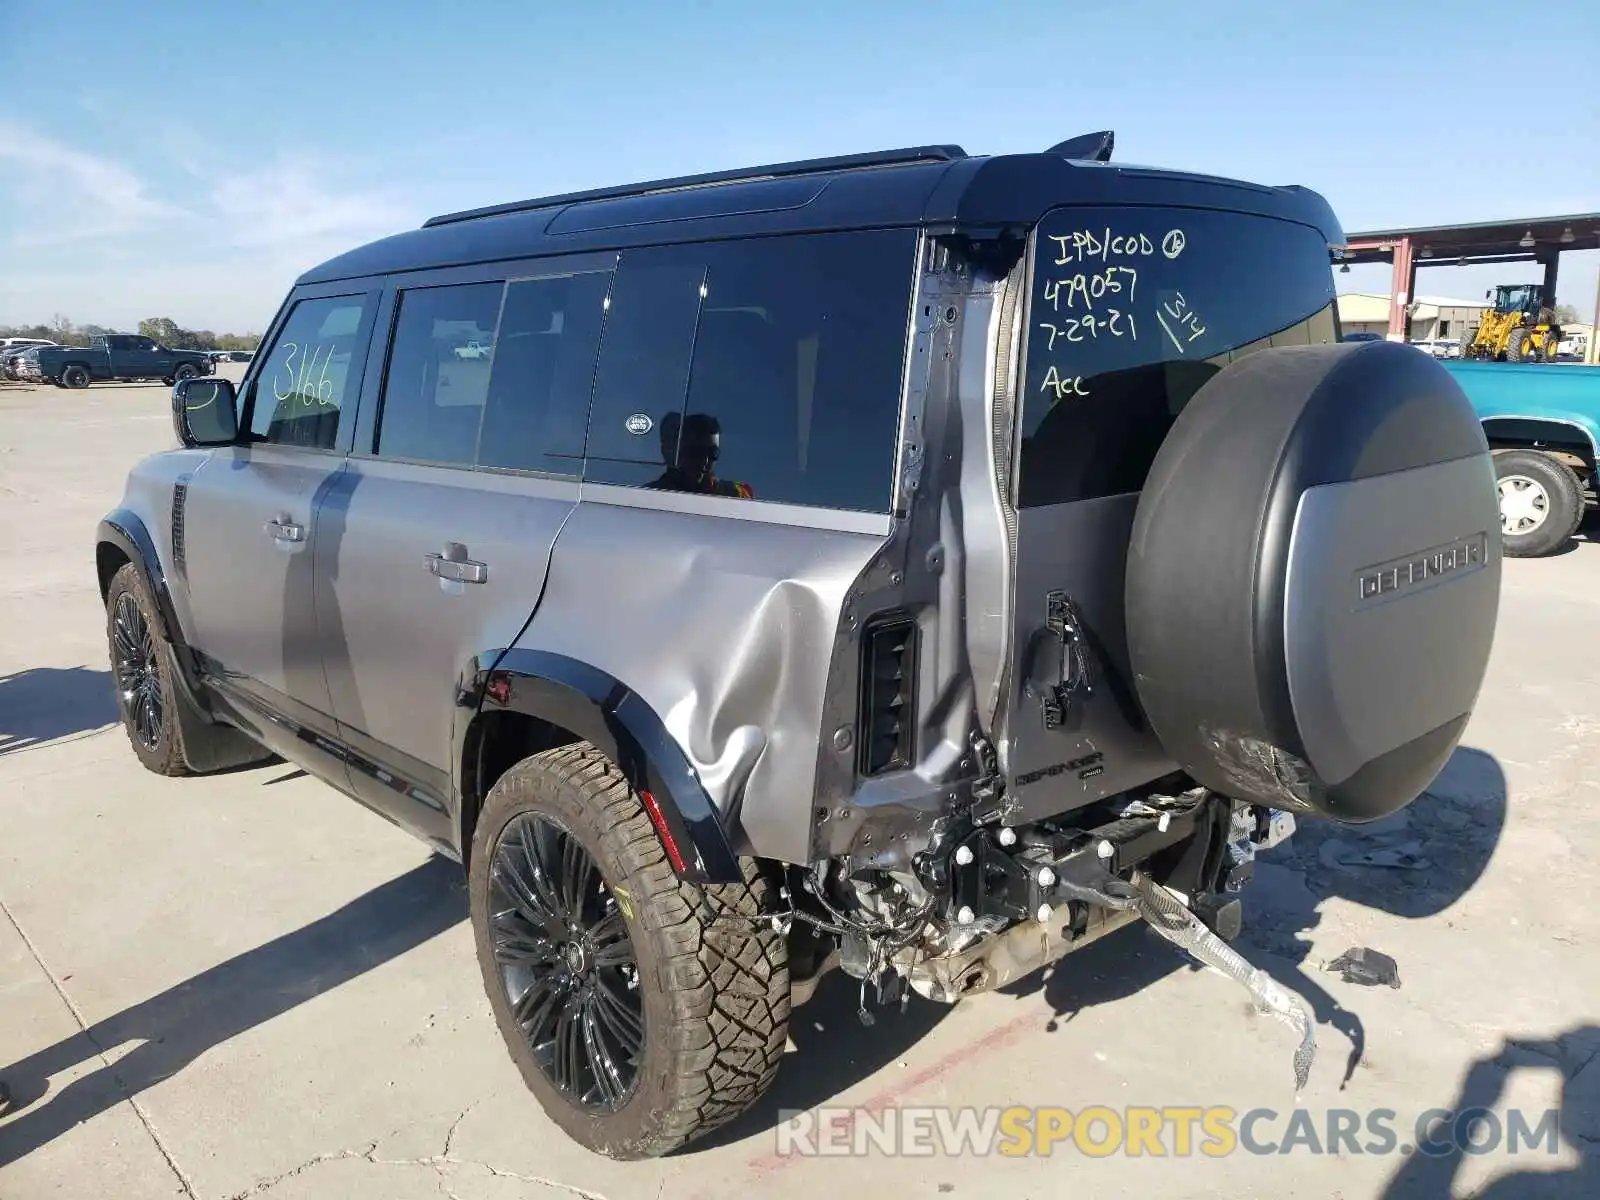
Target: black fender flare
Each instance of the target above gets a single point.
(597, 707)
(125, 530)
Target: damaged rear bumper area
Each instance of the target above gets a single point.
(1020, 899)
(984, 906)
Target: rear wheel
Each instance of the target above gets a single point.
(1541, 503)
(75, 376)
(642, 1011)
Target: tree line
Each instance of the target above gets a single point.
(163, 329)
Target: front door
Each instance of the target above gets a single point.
(1130, 311)
(251, 530)
(433, 546)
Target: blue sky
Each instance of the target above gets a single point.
(189, 159)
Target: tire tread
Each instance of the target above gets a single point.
(724, 972)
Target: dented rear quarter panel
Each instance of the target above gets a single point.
(723, 617)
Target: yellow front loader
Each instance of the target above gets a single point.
(1519, 328)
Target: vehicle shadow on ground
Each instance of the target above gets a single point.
(43, 704)
(1576, 1055)
(1588, 529)
(171, 1029)
(1439, 846)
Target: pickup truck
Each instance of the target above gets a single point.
(1542, 421)
(114, 356)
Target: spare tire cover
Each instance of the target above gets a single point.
(1313, 578)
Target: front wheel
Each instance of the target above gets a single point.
(1541, 503)
(141, 668)
(642, 1011)
(186, 371)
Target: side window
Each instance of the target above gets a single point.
(644, 361)
(310, 373)
(768, 368)
(543, 371)
(794, 393)
(438, 377)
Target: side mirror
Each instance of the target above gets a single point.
(205, 411)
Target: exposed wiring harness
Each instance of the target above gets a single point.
(883, 940)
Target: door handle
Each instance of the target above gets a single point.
(454, 565)
(283, 529)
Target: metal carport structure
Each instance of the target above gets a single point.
(1526, 239)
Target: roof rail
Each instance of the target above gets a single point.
(809, 166)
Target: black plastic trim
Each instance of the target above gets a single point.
(884, 628)
(124, 530)
(810, 166)
(602, 710)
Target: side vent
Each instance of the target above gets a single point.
(888, 696)
(180, 494)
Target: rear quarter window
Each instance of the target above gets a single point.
(1130, 311)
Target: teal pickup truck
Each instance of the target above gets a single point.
(1543, 423)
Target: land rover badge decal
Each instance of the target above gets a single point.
(638, 424)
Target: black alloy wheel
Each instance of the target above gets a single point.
(567, 963)
(642, 1010)
(138, 677)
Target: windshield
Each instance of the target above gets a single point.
(1131, 310)
(1515, 299)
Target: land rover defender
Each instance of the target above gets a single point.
(912, 564)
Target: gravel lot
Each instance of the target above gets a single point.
(247, 985)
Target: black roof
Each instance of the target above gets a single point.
(935, 186)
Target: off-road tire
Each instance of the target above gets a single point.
(75, 376)
(1563, 492)
(166, 756)
(713, 976)
(1516, 346)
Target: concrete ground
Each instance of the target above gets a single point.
(246, 985)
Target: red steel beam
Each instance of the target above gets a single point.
(1399, 290)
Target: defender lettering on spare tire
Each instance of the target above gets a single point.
(1314, 577)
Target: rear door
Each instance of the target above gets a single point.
(1130, 311)
(119, 354)
(433, 546)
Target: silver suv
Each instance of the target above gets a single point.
(914, 564)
